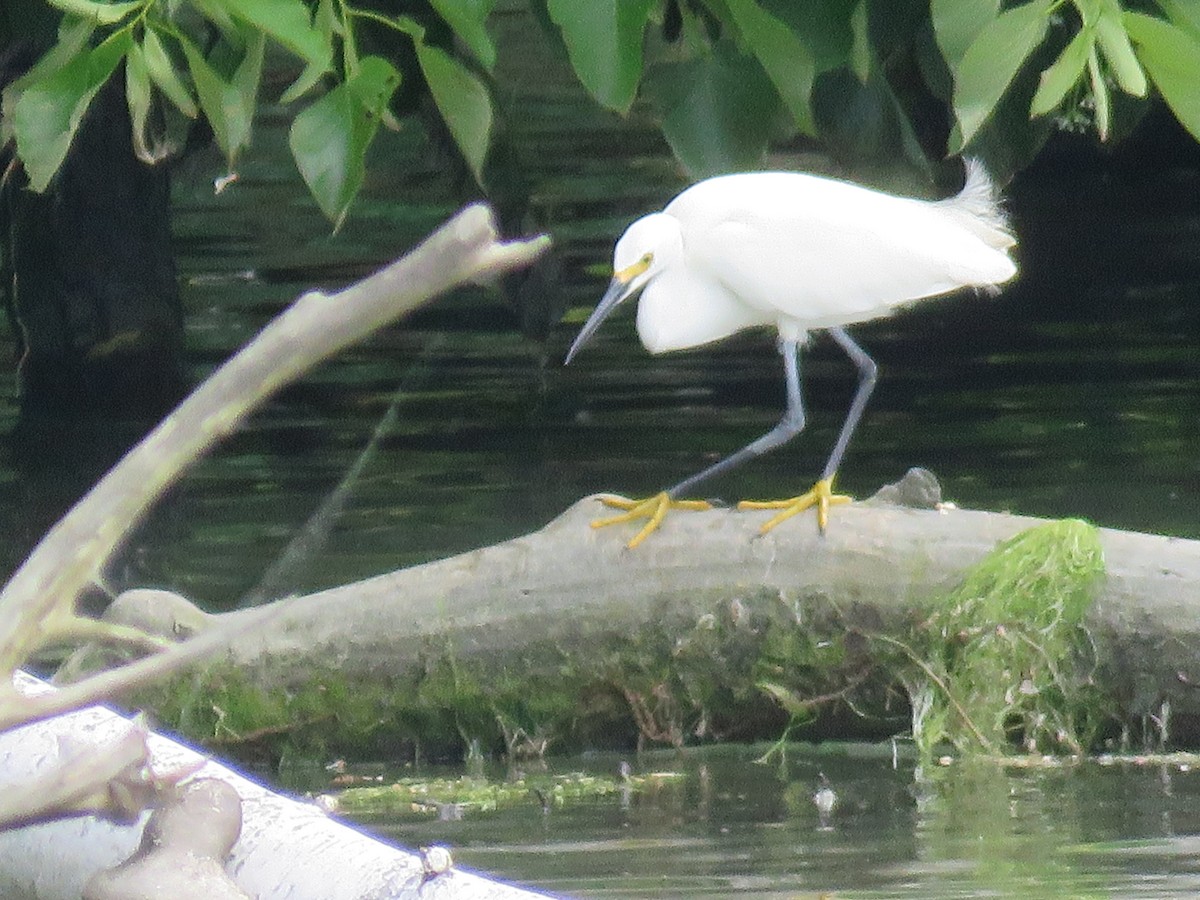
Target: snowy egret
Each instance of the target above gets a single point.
(797, 252)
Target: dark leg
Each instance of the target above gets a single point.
(789, 426)
(866, 383)
(821, 495)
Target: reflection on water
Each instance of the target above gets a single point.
(733, 828)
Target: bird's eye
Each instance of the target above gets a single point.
(647, 258)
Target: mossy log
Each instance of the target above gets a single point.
(570, 598)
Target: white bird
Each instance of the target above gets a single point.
(799, 253)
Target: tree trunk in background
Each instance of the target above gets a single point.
(91, 281)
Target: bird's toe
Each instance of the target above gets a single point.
(654, 509)
(820, 495)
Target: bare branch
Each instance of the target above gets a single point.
(75, 629)
(18, 709)
(113, 781)
(37, 606)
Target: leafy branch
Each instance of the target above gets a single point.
(185, 58)
(723, 78)
(1109, 48)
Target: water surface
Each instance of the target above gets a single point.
(735, 828)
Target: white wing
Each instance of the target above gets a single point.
(825, 252)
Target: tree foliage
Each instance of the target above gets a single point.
(187, 57)
(724, 78)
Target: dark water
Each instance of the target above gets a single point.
(734, 828)
(1074, 393)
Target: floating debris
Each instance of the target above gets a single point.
(453, 798)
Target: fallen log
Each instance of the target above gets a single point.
(287, 848)
(564, 591)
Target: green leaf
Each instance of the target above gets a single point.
(1089, 11)
(1063, 74)
(228, 105)
(717, 112)
(1184, 14)
(956, 24)
(1172, 59)
(991, 62)
(217, 13)
(286, 22)
(410, 26)
(163, 74)
(783, 57)
(468, 18)
(826, 27)
(211, 89)
(48, 111)
(96, 12)
(863, 123)
(861, 55)
(308, 79)
(137, 96)
(74, 35)
(245, 82)
(374, 84)
(327, 21)
(327, 24)
(463, 101)
(329, 139)
(604, 43)
(1100, 98)
(1114, 42)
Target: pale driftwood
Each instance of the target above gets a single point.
(37, 605)
(185, 846)
(287, 849)
(571, 586)
(93, 781)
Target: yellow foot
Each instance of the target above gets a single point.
(821, 496)
(652, 508)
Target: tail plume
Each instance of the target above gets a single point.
(978, 208)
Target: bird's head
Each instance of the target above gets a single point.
(647, 247)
